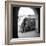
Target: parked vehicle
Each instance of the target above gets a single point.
(28, 24)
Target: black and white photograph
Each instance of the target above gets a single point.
(26, 22)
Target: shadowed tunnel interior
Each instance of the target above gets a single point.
(15, 17)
